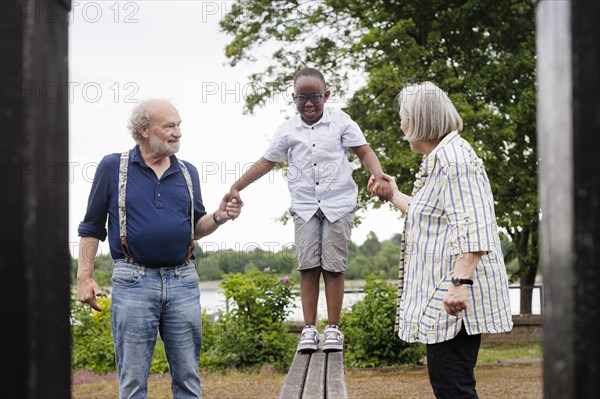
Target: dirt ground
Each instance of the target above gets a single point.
(519, 380)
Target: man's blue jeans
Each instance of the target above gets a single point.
(147, 301)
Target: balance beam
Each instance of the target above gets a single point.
(318, 375)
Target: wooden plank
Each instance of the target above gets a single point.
(294, 382)
(315, 377)
(336, 384)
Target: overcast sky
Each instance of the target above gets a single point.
(123, 52)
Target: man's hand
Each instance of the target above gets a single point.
(230, 206)
(87, 291)
(455, 300)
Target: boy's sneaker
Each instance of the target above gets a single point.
(333, 339)
(309, 340)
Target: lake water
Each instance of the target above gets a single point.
(213, 300)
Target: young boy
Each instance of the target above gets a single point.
(324, 197)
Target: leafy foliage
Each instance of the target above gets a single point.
(103, 266)
(369, 330)
(212, 265)
(481, 52)
(92, 340)
(253, 332)
(93, 347)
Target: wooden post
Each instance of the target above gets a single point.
(34, 253)
(568, 34)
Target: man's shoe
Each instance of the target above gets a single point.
(333, 339)
(309, 340)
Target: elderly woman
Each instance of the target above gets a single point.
(452, 283)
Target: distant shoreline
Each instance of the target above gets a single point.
(214, 285)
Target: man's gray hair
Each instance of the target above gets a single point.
(140, 117)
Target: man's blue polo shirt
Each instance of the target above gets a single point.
(158, 210)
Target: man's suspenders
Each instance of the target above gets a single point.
(123, 212)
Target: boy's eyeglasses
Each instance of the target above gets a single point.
(314, 98)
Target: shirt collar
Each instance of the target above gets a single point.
(136, 156)
(326, 118)
(429, 161)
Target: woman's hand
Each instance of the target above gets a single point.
(398, 199)
(455, 300)
(385, 185)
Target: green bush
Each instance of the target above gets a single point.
(253, 332)
(92, 341)
(369, 330)
(93, 347)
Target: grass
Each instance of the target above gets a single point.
(373, 383)
(493, 354)
(233, 384)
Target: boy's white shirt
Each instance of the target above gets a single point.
(320, 173)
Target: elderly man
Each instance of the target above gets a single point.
(155, 212)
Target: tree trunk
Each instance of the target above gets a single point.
(526, 248)
(527, 281)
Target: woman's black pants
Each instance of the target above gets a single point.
(450, 365)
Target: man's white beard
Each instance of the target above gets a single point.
(161, 148)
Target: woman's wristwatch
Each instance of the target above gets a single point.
(460, 281)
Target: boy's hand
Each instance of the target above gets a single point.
(380, 186)
(372, 187)
(386, 181)
(230, 208)
(385, 192)
(234, 194)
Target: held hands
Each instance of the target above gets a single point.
(87, 291)
(384, 186)
(230, 207)
(234, 194)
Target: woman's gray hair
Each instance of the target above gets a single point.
(429, 112)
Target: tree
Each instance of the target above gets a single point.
(371, 246)
(359, 267)
(387, 259)
(482, 52)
